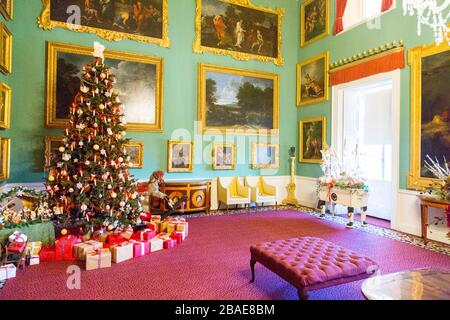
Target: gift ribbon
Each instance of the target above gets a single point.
(142, 245)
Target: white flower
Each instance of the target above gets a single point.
(84, 89)
(83, 207)
(79, 185)
(122, 203)
(66, 157)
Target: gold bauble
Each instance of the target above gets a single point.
(64, 232)
(62, 149)
(51, 178)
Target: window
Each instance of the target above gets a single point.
(359, 11)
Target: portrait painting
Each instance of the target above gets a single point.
(312, 80)
(5, 106)
(140, 20)
(52, 144)
(315, 21)
(180, 156)
(6, 9)
(135, 150)
(265, 156)
(312, 139)
(139, 85)
(5, 146)
(5, 49)
(237, 101)
(240, 29)
(224, 156)
(430, 113)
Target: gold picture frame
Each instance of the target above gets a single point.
(139, 164)
(5, 106)
(323, 139)
(51, 143)
(199, 48)
(313, 64)
(7, 9)
(204, 128)
(416, 58)
(5, 154)
(274, 155)
(182, 167)
(53, 49)
(45, 22)
(326, 32)
(222, 166)
(5, 49)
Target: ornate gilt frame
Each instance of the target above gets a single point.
(48, 147)
(255, 147)
(304, 43)
(7, 11)
(326, 56)
(301, 134)
(201, 113)
(6, 52)
(415, 56)
(140, 146)
(50, 113)
(7, 105)
(5, 146)
(170, 143)
(45, 22)
(198, 48)
(233, 148)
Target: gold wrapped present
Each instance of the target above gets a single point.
(155, 218)
(163, 236)
(81, 249)
(102, 237)
(122, 252)
(183, 226)
(156, 244)
(171, 227)
(98, 259)
(163, 226)
(33, 248)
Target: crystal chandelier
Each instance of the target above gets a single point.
(432, 13)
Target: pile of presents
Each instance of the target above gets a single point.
(103, 248)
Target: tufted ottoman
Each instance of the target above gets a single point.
(311, 263)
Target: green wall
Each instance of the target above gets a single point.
(27, 130)
(393, 26)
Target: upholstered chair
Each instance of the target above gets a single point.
(261, 191)
(233, 193)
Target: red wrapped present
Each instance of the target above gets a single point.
(17, 247)
(145, 216)
(152, 225)
(169, 243)
(141, 248)
(179, 236)
(47, 253)
(114, 239)
(64, 247)
(142, 235)
(128, 233)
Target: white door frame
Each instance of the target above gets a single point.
(338, 117)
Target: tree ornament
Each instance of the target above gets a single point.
(51, 178)
(62, 149)
(64, 232)
(101, 106)
(113, 195)
(96, 147)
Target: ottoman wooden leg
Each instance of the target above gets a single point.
(252, 267)
(302, 294)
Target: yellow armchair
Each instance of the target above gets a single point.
(261, 192)
(232, 194)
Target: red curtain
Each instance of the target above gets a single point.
(340, 10)
(386, 5)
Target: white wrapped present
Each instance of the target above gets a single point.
(34, 259)
(17, 236)
(7, 271)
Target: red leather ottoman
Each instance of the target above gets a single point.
(311, 263)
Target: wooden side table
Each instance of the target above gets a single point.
(425, 203)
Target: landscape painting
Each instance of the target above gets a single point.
(141, 20)
(312, 80)
(238, 101)
(312, 139)
(239, 29)
(265, 156)
(314, 20)
(224, 156)
(139, 84)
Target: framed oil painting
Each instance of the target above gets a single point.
(237, 101)
(143, 20)
(312, 80)
(139, 84)
(135, 151)
(312, 139)
(180, 156)
(239, 29)
(315, 21)
(6, 9)
(52, 144)
(5, 146)
(5, 49)
(265, 155)
(5, 106)
(224, 156)
(430, 111)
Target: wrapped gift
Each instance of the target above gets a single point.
(102, 237)
(183, 226)
(155, 218)
(141, 248)
(156, 244)
(114, 239)
(163, 235)
(169, 243)
(171, 227)
(33, 248)
(34, 259)
(128, 233)
(47, 253)
(65, 247)
(145, 216)
(152, 226)
(17, 247)
(17, 236)
(178, 236)
(146, 234)
(7, 271)
(82, 249)
(163, 226)
(98, 259)
(122, 252)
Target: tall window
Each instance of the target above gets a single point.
(358, 11)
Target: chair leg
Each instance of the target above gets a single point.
(252, 268)
(276, 205)
(302, 294)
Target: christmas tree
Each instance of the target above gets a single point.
(88, 177)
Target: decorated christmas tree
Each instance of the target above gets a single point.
(88, 177)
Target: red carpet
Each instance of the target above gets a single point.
(214, 264)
